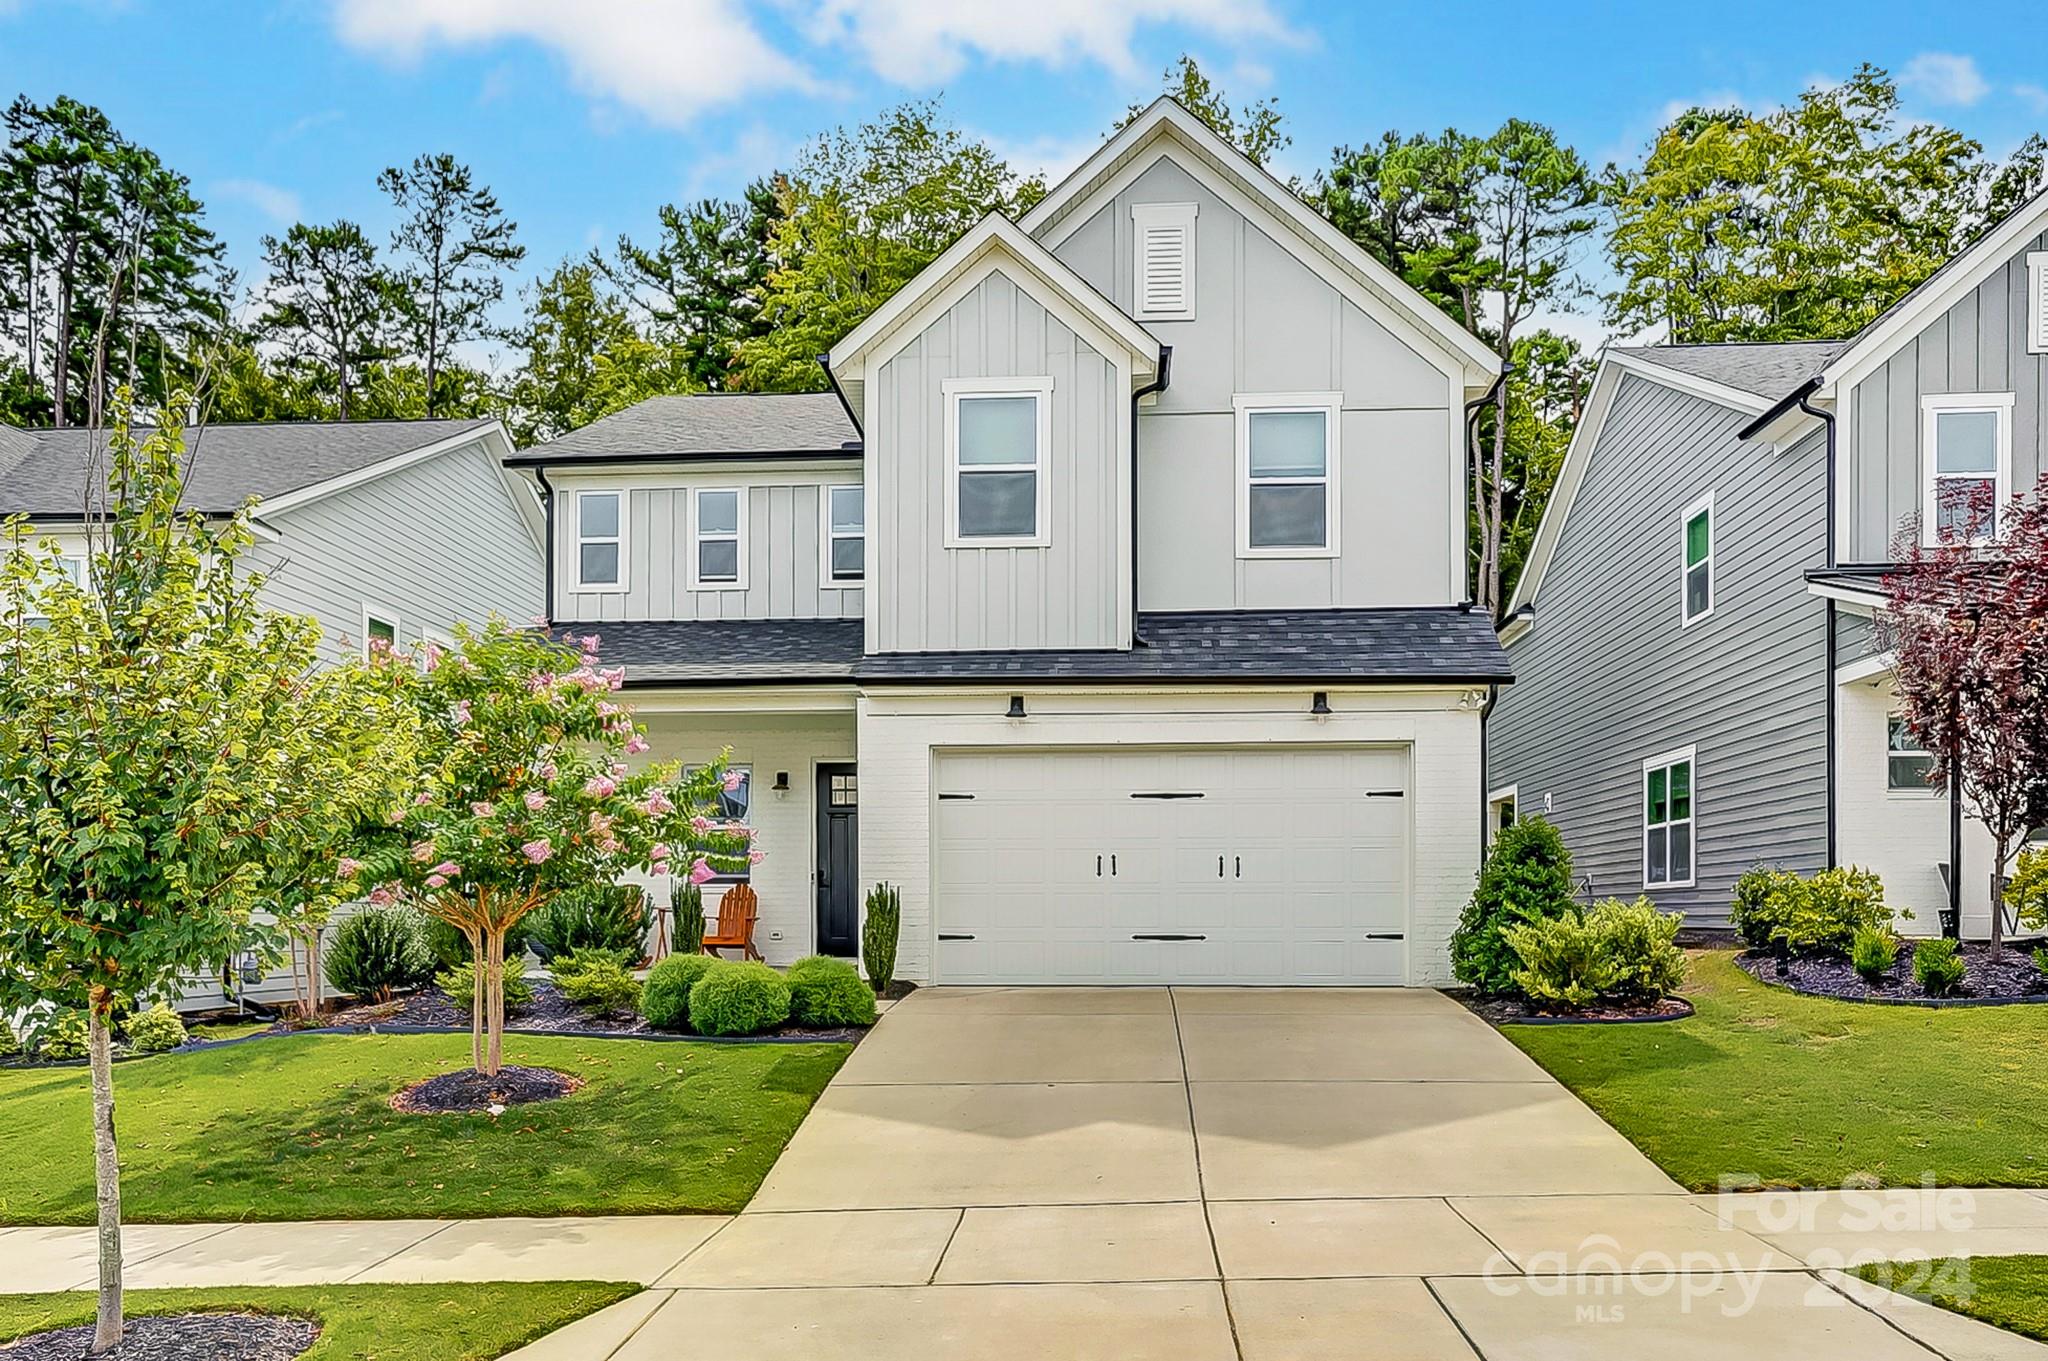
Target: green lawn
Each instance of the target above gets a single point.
(360, 1322)
(2007, 1292)
(1798, 1091)
(300, 1128)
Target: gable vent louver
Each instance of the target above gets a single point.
(1164, 284)
(2037, 303)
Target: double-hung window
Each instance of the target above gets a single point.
(1967, 443)
(998, 445)
(1668, 820)
(731, 807)
(1907, 764)
(1287, 461)
(380, 631)
(600, 541)
(845, 547)
(1696, 534)
(718, 540)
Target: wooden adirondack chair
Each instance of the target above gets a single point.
(735, 927)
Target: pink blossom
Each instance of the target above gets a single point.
(613, 679)
(433, 656)
(637, 744)
(535, 800)
(700, 823)
(395, 816)
(590, 641)
(659, 853)
(539, 621)
(732, 781)
(600, 787)
(605, 708)
(701, 873)
(546, 770)
(436, 881)
(756, 857)
(422, 799)
(609, 844)
(600, 824)
(347, 868)
(537, 851)
(618, 768)
(423, 851)
(382, 896)
(461, 712)
(483, 810)
(657, 804)
(448, 867)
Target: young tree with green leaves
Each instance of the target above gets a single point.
(523, 791)
(173, 770)
(1255, 128)
(581, 356)
(329, 304)
(701, 281)
(454, 245)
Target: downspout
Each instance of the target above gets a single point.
(1472, 410)
(1485, 775)
(540, 475)
(1160, 379)
(1831, 646)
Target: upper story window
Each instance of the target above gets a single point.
(600, 541)
(1907, 764)
(718, 540)
(1966, 439)
(380, 631)
(1163, 271)
(1697, 537)
(1667, 820)
(845, 550)
(998, 446)
(1287, 461)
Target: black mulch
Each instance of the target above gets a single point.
(2010, 977)
(178, 1337)
(466, 1090)
(1517, 1011)
(548, 1010)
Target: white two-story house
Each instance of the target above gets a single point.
(1112, 605)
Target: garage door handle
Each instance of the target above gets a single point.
(1219, 867)
(1239, 862)
(1098, 867)
(944, 935)
(1112, 866)
(1385, 935)
(1385, 793)
(1167, 935)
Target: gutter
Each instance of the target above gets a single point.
(1797, 397)
(547, 491)
(1161, 377)
(825, 363)
(1802, 399)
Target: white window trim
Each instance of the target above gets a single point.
(578, 539)
(2037, 302)
(825, 536)
(1688, 755)
(1331, 405)
(955, 390)
(1925, 791)
(1685, 518)
(1144, 216)
(1931, 406)
(738, 536)
(372, 610)
(1512, 794)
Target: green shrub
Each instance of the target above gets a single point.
(379, 951)
(2026, 893)
(1527, 878)
(450, 947)
(62, 1035)
(878, 931)
(1938, 967)
(2040, 962)
(460, 984)
(1640, 946)
(599, 916)
(1873, 952)
(665, 997)
(1561, 961)
(1763, 898)
(824, 991)
(155, 1030)
(1777, 910)
(686, 905)
(599, 983)
(10, 1043)
(739, 999)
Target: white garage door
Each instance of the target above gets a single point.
(1203, 865)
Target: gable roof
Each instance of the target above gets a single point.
(1166, 117)
(709, 426)
(1768, 371)
(50, 473)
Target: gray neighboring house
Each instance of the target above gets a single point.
(1698, 680)
(395, 530)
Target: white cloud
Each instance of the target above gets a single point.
(2034, 96)
(1944, 78)
(669, 59)
(281, 206)
(925, 42)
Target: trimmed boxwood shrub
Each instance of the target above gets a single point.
(1527, 878)
(595, 917)
(1776, 910)
(379, 951)
(824, 991)
(1641, 947)
(739, 999)
(155, 1030)
(596, 981)
(665, 997)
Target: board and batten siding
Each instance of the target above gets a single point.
(783, 547)
(1609, 676)
(437, 543)
(929, 597)
(1264, 322)
(1978, 345)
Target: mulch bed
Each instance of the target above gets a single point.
(2010, 977)
(548, 1010)
(466, 1091)
(178, 1337)
(1517, 1011)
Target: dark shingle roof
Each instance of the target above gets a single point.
(46, 472)
(738, 424)
(1767, 370)
(734, 650)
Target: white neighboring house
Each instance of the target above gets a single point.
(393, 530)
(1111, 607)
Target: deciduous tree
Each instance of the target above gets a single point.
(1255, 128)
(582, 357)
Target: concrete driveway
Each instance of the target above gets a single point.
(1232, 1175)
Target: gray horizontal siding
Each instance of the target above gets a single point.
(1608, 677)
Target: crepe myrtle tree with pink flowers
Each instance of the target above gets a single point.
(524, 790)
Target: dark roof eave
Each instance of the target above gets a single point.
(539, 460)
(1183, 678)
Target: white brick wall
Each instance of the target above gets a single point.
(899, 731)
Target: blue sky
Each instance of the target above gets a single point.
(586, 115)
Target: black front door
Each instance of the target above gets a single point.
(838, 860)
